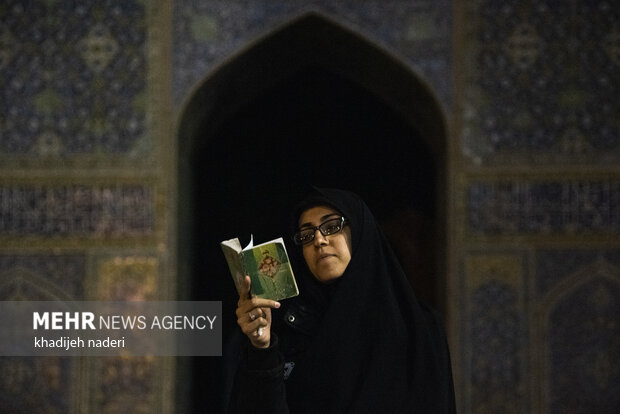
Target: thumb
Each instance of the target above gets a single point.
(246, 284)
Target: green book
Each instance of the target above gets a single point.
(267, 265)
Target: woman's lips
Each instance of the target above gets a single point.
(325, 256)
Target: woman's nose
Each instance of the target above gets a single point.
(319, 239)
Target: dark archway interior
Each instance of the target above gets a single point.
(312, 128)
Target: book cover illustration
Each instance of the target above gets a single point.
(267, 265)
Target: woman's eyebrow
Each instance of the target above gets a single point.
(325, 217)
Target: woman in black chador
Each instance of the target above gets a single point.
(356, 339)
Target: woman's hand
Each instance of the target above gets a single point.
(254, 316)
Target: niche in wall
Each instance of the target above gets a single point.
(310, 104)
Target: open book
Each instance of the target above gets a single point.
(267, 265)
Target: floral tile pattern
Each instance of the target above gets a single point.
(543, 82)
(72, 77)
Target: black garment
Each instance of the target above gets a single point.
(362, 344)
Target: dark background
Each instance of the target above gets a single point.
(314, 128)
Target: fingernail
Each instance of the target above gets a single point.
(277, 304)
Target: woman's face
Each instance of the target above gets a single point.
(326, 256)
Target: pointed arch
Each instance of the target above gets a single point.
(310, 51)
(311, 39)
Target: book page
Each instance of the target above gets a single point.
(232, 250)
(278, 240)
(232, 244)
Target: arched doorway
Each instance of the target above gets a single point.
(311, 104)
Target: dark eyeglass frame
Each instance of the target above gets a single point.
(297, 238)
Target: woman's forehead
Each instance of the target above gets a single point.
(315, 215)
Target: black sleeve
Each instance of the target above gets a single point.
(259, 383)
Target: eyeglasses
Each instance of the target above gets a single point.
(331, 226)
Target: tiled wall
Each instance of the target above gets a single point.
(540, 203)
(82, 204)
(90, 93)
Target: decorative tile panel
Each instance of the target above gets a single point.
(554, 266)
(73, 77)
(582, 345)
(127, 278)
(42, 276)
(544, 78)
(77, 210)
(497, 333)
(37, 385)
(208, 32)
(27, 384)
(545, 207)
(126, 384)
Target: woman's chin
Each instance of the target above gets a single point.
(328, 277)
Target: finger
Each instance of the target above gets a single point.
(248, 305)
(246, 284)
(247, 308)
(256, 313)
(245, 319)
(249, 328)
